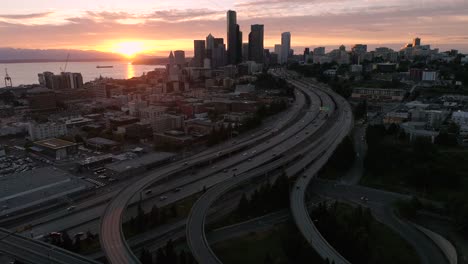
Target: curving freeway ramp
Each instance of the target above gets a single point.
(304, 151)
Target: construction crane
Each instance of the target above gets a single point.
(66, 63)
(8, 82)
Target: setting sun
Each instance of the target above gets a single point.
(129, 49)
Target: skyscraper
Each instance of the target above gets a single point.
(179, 57)
(285, 46)
(278, 49)
(219, 53)
(234, 38)
(256, 43)
(199, 53)
(171, 59)
(209, 47)
(416, 42)
(245, 51)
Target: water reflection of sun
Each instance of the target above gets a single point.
(130, 71)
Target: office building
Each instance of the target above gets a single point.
(245, 52)
(234, 38)
(199, 53)
(209, 47)
(46, 130)
(306, 54)
(278, 50)
(359, 49)
(285, 46)
(219, 53)
(416, 42)
(256, 43)
(319, 51)
(65, 80)
(179, 57)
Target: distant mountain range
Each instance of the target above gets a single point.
(9, 55)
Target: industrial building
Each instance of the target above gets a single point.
(20, 192)
(56, 148)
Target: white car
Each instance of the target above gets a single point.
(162, 198)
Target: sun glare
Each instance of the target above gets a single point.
(129, 49)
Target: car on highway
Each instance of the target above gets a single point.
(162, 198)
(148, 191)
(71, 208)
(185, 163)
(235, 169)
(364, 199)
(178, 189)
(102, 176)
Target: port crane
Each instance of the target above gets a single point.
(8, 82)
(66, 64)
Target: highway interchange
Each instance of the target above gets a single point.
(300, 143)
(112, 239)
(303, 157)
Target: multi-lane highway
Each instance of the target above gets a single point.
(317, 144)
(297, 197)
(112, 239)
(85, 214)
(37, 252)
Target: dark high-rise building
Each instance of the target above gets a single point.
(256, 43)
(210, 47)
(245, 51)
(239, 45)
(234, 38)
(306, 54)
(416, 42)
(199, 52)
(179, 57)
(219, 53)
(285, 47)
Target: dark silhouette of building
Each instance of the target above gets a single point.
(199, 53)
(234, 38)
(256, 43)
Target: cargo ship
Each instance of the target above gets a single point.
(99, 67)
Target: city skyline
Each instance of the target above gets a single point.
(164, 26)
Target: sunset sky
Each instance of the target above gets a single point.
(155, 27)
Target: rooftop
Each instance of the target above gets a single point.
(101, 141)
(145, 160)
(26, 189)
(54, 143)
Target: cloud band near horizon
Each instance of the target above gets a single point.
(312, 23)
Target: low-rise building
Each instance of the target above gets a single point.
(25, 191)
(98, 143)
(136, 166)
(378, 94)
(172, 138)
(460, 118)
(38, 131)
(56, 148)
(418, 130)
